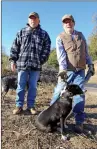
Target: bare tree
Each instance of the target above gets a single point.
(94, 19)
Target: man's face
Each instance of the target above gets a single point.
(68, 24)
(33, 21)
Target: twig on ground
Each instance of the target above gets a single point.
(37, 143)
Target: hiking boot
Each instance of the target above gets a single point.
(32, 111)
(17, 110)
(78, 128)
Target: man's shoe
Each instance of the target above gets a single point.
(32, 111)
(78, 128)
(17, 110)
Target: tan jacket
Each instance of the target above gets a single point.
(75, 49)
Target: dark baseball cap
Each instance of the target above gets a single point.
(68, 16)
(34, 14)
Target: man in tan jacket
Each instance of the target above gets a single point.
(72, 56)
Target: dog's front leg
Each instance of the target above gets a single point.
(63, 137)
(62, 125)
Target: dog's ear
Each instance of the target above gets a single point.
(79, 90)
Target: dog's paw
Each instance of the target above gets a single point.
(64, 138)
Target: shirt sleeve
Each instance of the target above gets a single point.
(15, 49)
(61, 54)
(88, 57)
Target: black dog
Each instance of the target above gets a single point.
(8, 82)
(48, 119)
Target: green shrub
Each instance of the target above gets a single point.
(93, 46)
(5, 65)
(52, 61)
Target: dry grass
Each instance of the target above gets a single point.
(19, 131)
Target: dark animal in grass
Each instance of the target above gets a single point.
(48, 119)
(8, 82)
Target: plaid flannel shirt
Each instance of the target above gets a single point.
(31, 48)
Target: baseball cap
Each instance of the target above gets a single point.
(34, 14)
(68, 16)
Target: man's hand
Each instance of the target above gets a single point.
(63, 74)
(13, 66)
(91, 69)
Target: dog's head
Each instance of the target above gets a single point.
(71, 90)
(74, 89)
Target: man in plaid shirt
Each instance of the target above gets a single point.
(30, 50)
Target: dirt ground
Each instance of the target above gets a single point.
(19, 131)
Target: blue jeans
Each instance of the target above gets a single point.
(78, 101)
(32, 78)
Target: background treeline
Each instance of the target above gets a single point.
(93, 39)
(52, 61)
